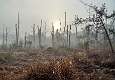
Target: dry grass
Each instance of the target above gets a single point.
(78, 66)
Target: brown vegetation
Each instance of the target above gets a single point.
(77, 66)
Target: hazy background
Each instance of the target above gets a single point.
(32, 11)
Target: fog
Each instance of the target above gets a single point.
(32, 11)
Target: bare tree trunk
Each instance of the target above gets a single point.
(17, 26)
(65, 19)
(76, 31)
(39, 36)
(3, 38)
(45, 28)
(76, 25)
(88, 38)
(34, 35)
(25, 45)
(67, 35)
(18, 30)
(52, 33)
(6, 36)
(70, 37)
(111, 46)
(64, 41)
(113, 33)
(16, 35)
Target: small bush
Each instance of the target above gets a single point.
(6, 57)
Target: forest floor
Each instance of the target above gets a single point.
(57, 64)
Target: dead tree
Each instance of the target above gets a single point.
(17, 26)
(111, 46)
(45, 31)
(52, 34)
(70, 37)
(39, 35)
(57, 38)
(65, 19)
(67, 34)
(77, 21)
(6, 36)
(16, 35)
(102, 13)
(3, 38)
(34, 35)
(25, 44)
(66, 26)
(76, 18)
(64, 40)
(29, 41)
(112, 28)
(97, 31)
(99, 19)
(87, 28)
(18, 31)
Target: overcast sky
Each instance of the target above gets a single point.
(32, 11)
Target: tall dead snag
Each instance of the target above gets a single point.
(65, 19)
(87, 28)
(76, 23)
(17, 26)
(29, 41)
(3, 38)
(76, 18)
(45, 32)
(34, 35)
(6, 37)
(64, 40)
(25, 44)
(66, 26)
(70, 37)
(52, 34)
(57, 38)
(16, 35)
(67, 35)
(96, 34)
(39, 35)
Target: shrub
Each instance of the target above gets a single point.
(6, 57)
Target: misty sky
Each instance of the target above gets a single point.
(32, 11)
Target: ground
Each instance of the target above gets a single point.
(56, 64)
